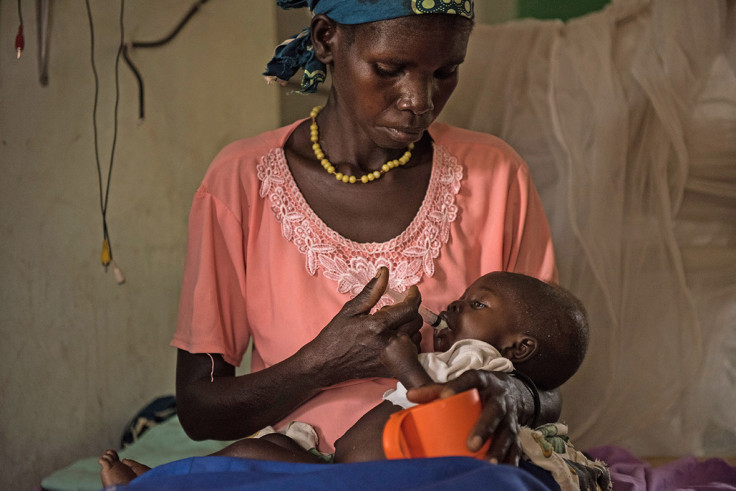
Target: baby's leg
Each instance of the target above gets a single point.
(364, 440)
(274, 446)
(116, 472)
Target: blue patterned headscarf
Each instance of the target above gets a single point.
(297, 52)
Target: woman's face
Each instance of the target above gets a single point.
(393, 77)
(486, 311)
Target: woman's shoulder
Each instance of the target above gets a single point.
(253, 148)
(233, 176)
(473, 145)
(239, 160)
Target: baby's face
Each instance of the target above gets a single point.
(484, 312)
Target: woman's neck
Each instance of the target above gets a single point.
(346, 145)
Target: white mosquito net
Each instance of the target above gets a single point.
(627, 118)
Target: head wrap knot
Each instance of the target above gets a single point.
(297, 52)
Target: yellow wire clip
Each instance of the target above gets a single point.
(105, 256)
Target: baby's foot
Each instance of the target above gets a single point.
(116, 472)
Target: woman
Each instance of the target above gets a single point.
(278, 244)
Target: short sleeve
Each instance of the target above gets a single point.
(528, 245)
(212, 307)
(501, 224)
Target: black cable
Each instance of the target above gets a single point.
(139, 80)
(117, 102)
(104, 197)
(122, 53)
(155, 44)
(94, 106)
(20, 14)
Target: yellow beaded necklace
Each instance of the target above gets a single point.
(366, 178)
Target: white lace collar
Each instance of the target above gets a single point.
(351, 264)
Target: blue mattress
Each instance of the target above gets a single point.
(218, 473)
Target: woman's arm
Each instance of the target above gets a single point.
(226, 407)
(213, 403)
(507, 404)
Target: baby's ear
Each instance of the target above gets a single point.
(522, 349)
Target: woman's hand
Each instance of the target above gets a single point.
(505, 401)
(350, 345)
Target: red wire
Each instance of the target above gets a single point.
(19, 41)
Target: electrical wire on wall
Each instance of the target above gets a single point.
(43, 9)
(155, 44)
(106, 255)
(19, 40)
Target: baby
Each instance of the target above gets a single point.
(504, 321)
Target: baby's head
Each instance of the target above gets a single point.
(541, 328)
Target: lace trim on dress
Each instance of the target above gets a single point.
(351, 264)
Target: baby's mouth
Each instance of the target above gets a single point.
(442, 317)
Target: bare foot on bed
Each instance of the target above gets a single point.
(116, 472)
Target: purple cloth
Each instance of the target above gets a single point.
(629, 473)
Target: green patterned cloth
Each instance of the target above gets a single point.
(549, 447)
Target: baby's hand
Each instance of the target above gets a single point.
(398, 349)
(400, 357)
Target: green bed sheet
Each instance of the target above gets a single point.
(163, 443)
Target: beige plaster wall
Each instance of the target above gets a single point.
(80, 354)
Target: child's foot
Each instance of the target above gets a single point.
(116, 472)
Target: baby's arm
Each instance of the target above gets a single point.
(400, 357)
(363, 441)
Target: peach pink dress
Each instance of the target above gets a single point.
(260, 264)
